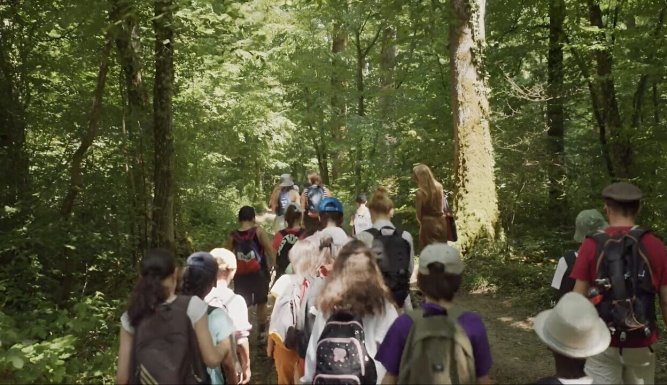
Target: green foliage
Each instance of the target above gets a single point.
(58, 346)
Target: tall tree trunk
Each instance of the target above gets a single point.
(163, 139)
(14, 101)
(76, 172)
(476, 198)
(555, 109)
(338, 106)
(622, 156)
(124, 15)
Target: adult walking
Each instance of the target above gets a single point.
(282, 196)
(621, 270)
(429, 207)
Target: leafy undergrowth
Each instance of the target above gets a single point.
(50, 345)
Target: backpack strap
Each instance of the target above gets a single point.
(374, 232)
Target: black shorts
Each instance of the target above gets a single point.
(254, 288)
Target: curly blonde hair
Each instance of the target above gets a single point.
(355, 284)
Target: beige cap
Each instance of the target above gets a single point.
(441, 253)
(225, 258)
(622, 192)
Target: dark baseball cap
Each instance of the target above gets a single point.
(204, 261)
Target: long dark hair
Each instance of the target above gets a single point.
(149, 293)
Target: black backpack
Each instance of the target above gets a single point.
(315, 194)
(624, 280)
(282, 259)
(342, 357)
(393, 255)
(567, 283)
(165, 348)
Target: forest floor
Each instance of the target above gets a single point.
(518, 354)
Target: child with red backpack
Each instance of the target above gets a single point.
(422, 345)
(253, 249)
(353, 314)
(285, 239)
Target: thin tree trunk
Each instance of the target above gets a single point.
(642, 84)
(618, 137)
(14, 101)
(124, 15)
(555, 109)
(476, 198)
(338, 106)
(656, 103)
(76, 172)
(163, 139)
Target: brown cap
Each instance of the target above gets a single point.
(622, 192)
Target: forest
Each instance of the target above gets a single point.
(130, 124)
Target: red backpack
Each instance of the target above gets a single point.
(248, 251)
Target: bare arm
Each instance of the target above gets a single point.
(212, 355)
(244, 357)
(663, 302)
(273, 200)
(418, 207)
(582, 287)
(124, 353)
(267, 245)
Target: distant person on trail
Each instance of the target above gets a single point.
(621, 270)
(330, 214)
(253, 250)
(223, 297)
(310, 200)
(354, 313)
(156, 315)
(393, 248)
(588, 222)
(282, 196)
(573, 331)
(429, 206)
(361, 219)
(285, 239)
(419, 345)
(199, 277)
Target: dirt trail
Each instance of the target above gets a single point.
(519, 357)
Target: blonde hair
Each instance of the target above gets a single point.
(380, 201)
(306, 258)
(314, 177)
(355, 284)
(426, 182)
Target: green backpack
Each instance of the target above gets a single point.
(437, 351)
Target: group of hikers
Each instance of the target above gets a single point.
(342, 311)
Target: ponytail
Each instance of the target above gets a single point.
(149, 293)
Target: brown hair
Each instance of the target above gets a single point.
(438, 284)
(355, 284)
(292, 215)
(427, 183)
(627, 209)
(314, 178)
(380, 201)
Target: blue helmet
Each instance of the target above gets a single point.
(330, 205)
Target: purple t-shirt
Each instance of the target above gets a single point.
(390, 351)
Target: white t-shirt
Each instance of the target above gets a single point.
(196, 309)
(224, 297)
(375, 328)
(560, 272)
(338, 235)
(283, 283)
(362, 220)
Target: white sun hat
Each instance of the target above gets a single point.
(573, 327)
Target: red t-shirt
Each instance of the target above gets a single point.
(584, 270)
